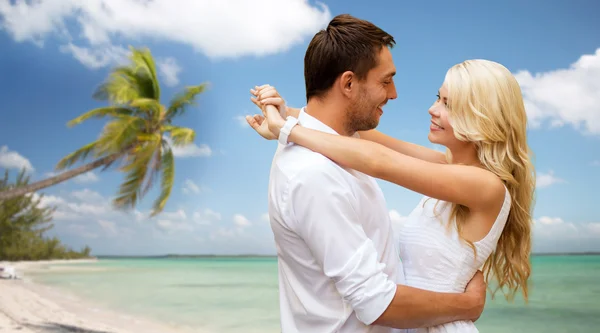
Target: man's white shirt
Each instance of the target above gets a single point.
(338, 264)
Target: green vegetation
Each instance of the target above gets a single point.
(135, 138)
(23, 223)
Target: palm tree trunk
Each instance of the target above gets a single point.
(18, 191)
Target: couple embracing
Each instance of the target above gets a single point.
(340, 267)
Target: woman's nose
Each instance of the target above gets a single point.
(433, 111)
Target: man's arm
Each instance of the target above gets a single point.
(413, 307)
(324, 211)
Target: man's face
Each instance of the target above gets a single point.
(372, 94)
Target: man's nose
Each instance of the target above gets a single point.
(392, 94)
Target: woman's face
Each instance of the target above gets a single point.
(440, 129)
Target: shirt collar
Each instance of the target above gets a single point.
(309, 121)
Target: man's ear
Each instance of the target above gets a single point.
(346, 83)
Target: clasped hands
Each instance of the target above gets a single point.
(274, 111)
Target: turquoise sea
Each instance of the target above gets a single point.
(227, 295)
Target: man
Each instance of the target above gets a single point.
(338, 266)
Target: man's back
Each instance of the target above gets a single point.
(338, 265)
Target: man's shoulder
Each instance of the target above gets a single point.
(297, 163)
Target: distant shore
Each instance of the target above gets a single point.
(203, 256)
(566, 254)
(27, 307)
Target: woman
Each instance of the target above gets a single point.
(479, 116)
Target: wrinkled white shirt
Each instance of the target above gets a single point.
(337, 261)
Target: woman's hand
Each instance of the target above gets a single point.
(267, 94)
(258, 123)
(273, 109)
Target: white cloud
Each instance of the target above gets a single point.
(81, 231)
(97, 58)
(87, 214)
(547, 179)
(569, 96)
(397, 221)
(173, 221)
(547, 227)
(549, 220)
(80, 205)
(231, 29)
(397, 217)
(206, 217)
(88, 205)
(165, 224)
(241, 121)
(138, 216)
(226, 233)
(13, 160)
(87, 195)
(108, 226)
(172, 226)
(192, 150)
(265, 217)
(593, 228)
(88, 177)
(179, 215)
(190, 187)
(48, 200)
(241, 221)
(85, 178)
(554, 234)
(170, 69)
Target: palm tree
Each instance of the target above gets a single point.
(135, 136)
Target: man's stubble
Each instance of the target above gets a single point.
(361, 115)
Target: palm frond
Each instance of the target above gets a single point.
(143, 60)
(136, 80)
(99, 113)
(120, 133)
(181, 135)
(137, 169)
(180, 101)
(145, 137)
(77, 155)
(168, 177)
(149, 106)
(155, 164)
(121, 87)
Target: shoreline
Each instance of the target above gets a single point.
(261, 256)
(30, 307)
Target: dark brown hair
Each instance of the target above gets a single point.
(348, 44)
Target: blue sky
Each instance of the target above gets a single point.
(54, 54)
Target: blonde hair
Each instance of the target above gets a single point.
(486, 107)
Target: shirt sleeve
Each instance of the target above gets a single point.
(325, 216)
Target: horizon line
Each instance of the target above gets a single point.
(274, 255)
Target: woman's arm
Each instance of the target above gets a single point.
(404, 147)
(269, 95)
(454, 183)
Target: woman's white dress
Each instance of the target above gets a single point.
(435, 259)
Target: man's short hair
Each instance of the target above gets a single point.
(348, 44)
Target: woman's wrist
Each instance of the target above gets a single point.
(285, 129)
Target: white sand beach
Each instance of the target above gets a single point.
(27, 307)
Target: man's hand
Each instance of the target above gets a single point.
(476, 288)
